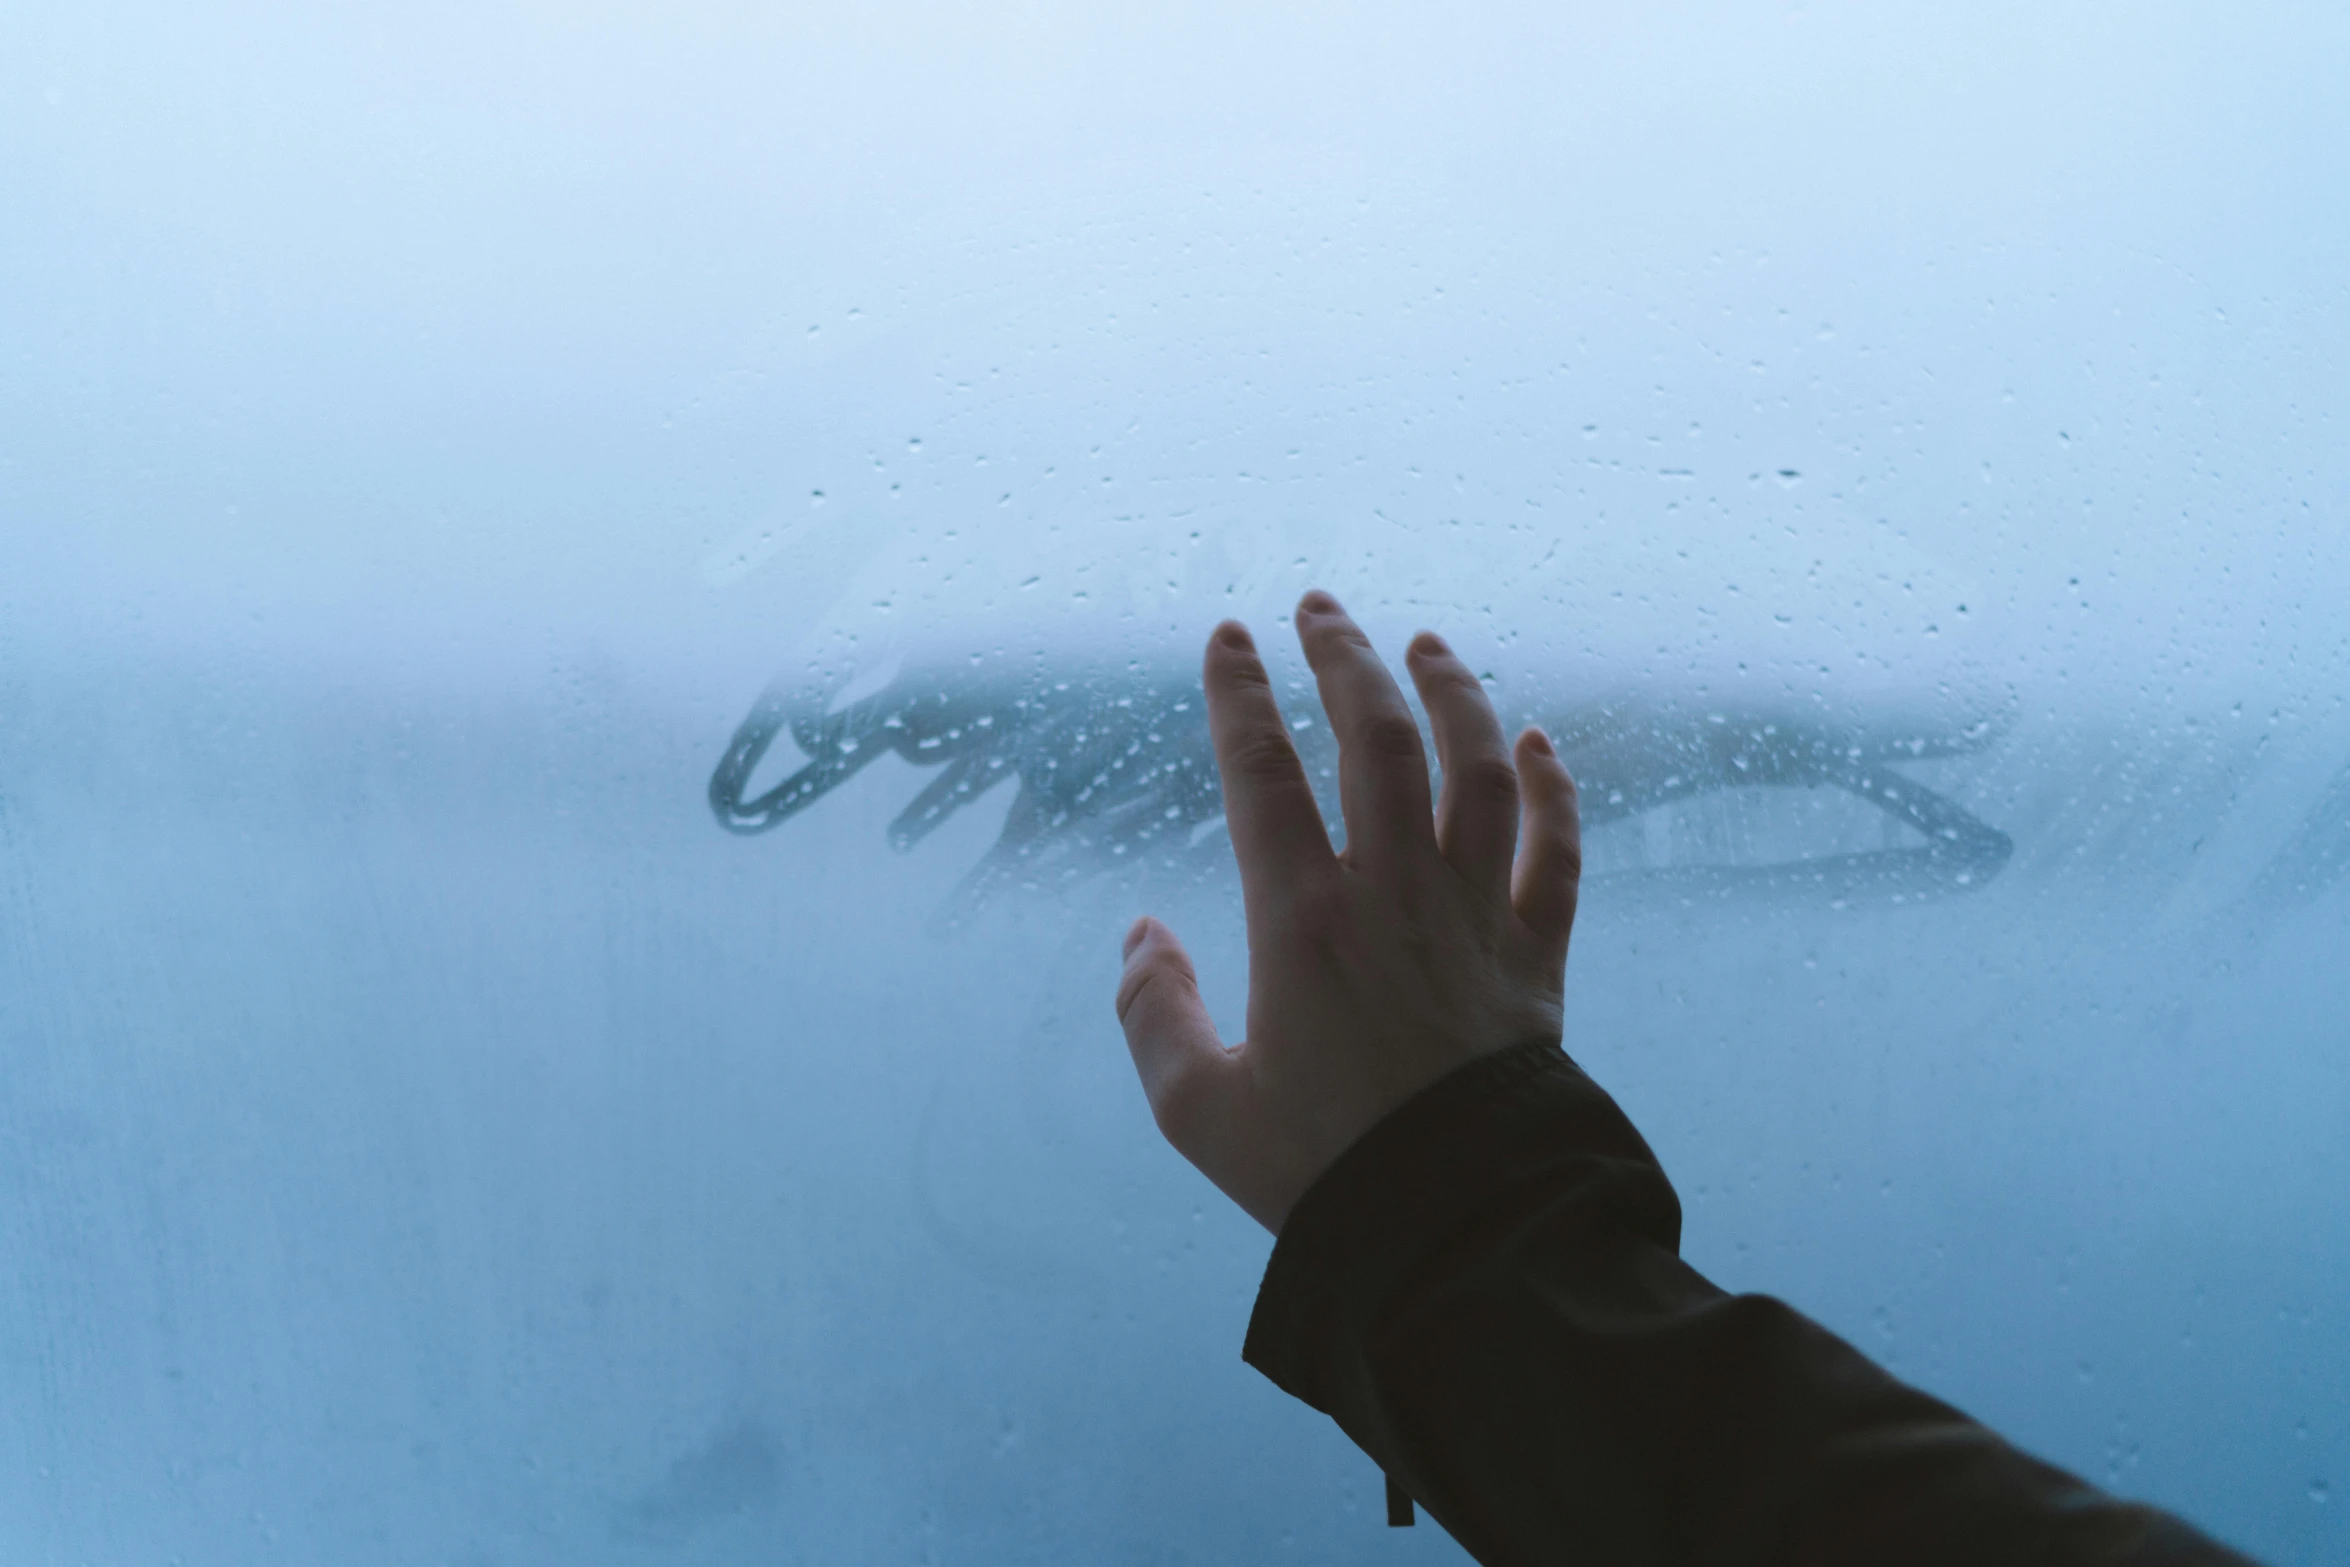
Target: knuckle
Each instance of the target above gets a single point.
(1237, 669)
(1390, 736)
(1446, 672)
(1553, 786)
(1567, 851)
(1163, 971)
(1237, 660)
(1449, 683)
(1333, 632)
(1130, 991)
(1487, 779)
(1262, 757)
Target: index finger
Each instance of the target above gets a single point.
(1276, 826)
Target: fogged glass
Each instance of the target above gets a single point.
(601, 613)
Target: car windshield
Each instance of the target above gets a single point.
(600, 634)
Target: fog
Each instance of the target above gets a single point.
(458, 463)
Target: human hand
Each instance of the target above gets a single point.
(1374, 972)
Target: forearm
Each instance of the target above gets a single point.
(1486, 1293)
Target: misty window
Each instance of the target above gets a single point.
(599, 636)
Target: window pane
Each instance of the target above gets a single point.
(455, 461)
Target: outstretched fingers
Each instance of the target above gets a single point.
(1550, 843)
(1276, 826)
(1382, 770)
(1477, 812)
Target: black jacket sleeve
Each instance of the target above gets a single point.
(1486, 1293)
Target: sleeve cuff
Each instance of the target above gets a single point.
(1446, 1174)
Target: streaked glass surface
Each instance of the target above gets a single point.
(456, 461)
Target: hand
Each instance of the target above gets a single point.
(1371, 973)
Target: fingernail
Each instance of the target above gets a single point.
(1235, 636)
(1540, 742)
(1433, 645)
(1318, 602)
(1135, 933)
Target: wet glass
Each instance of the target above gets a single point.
(598, 639)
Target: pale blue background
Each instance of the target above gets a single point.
(424, 1137)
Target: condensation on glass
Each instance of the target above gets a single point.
(599, 637)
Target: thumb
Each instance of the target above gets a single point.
(1186, 1072)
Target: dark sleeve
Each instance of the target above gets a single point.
(1486, 1293)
